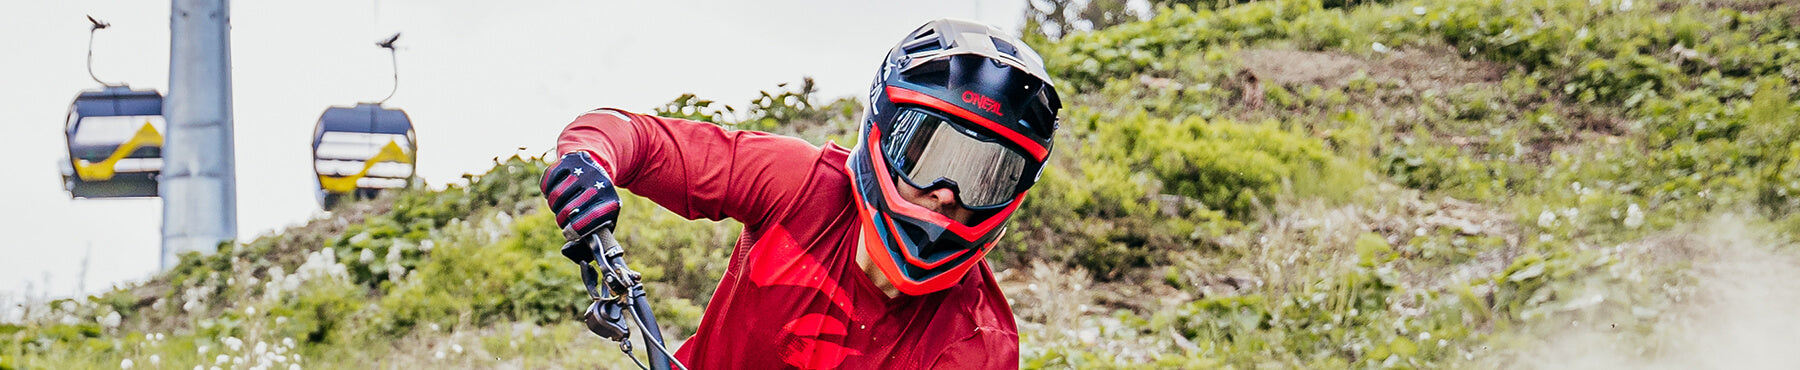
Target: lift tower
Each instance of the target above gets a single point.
(198, 182)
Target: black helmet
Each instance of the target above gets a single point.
(958, 105)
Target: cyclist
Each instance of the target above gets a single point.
(869, 257)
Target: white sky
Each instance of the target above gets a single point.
(480, 79)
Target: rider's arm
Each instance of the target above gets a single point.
(695, 169)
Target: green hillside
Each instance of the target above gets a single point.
(1459, 183)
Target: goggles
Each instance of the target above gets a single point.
(932, 150)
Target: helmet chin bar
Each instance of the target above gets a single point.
(883, 259)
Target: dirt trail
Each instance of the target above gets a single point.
(1743, 311)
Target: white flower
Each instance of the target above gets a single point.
(456, 348)
(1546, 219)
(1634, 216)
(293, 366)
(155, 360)
(262, 348)
(234, 343)
(281, 320)
(222, 359)
(287, 342)
(199, 367)
(203, 349)
(368, 255)
(1379, 48)
(125, 364)
(1418, 10)
(111, 320)
(439, 355)
(434, 327)
(1625, 6)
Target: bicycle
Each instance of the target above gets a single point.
(623, 292)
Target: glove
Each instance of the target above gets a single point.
(581, 194)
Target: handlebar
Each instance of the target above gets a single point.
(620, 291)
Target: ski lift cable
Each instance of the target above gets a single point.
(98, 25)
(394, 58)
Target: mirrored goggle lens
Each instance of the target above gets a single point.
(927, 149)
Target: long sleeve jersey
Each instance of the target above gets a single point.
(793, 295)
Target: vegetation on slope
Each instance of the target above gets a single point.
(1274, 183)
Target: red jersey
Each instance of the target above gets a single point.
(792, 295)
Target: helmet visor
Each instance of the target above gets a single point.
(931, 150)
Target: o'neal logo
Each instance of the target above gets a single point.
(982, 101)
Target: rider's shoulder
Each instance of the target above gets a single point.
(606, 113)
(833, 153)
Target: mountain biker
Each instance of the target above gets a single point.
(869, 257)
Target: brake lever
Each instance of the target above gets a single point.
(606, 315)
(624, 290)
(607, 319)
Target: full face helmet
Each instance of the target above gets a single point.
(957, 105)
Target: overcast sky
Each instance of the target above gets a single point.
(480, 80)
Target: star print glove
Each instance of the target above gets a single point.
(581, 194)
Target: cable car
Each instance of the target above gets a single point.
(359, 150)
(115, 138)
(362, 149)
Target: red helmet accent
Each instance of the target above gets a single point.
(902, 95)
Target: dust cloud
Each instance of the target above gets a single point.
(1739, 308)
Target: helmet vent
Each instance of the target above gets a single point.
(927, 41)
(1005, 47)
(934, 73)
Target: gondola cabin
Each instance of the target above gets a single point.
(115, 138)
(360, 150)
